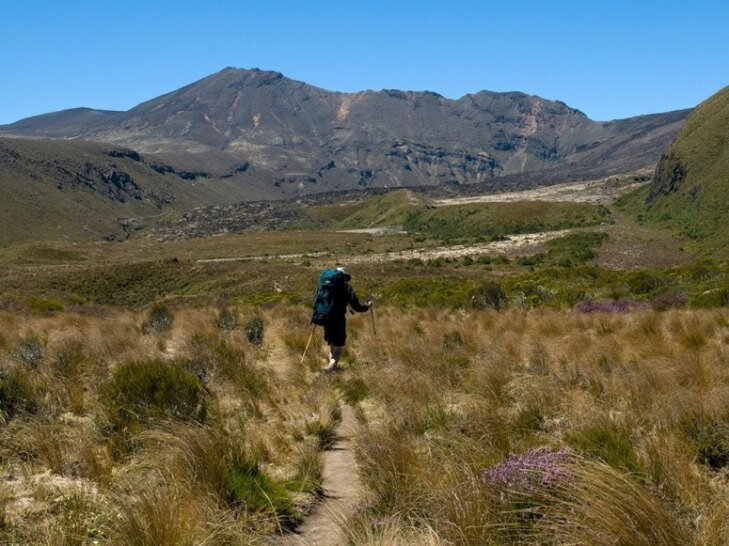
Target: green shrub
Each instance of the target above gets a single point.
(159, 319)
(140, 391)
(716, 297)
(644, 282)
(17, 393)
(574, 248)
(45, 307)
(532, 260)
(227, 319)
(532, 293)
(710, 436)
(247, 487)
(608, 443)
(254, 330)
(422, 292)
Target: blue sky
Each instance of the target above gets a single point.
(610, 59)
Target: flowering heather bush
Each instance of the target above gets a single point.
(527, 472)
(623, 305)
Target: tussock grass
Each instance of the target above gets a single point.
(163, 516)
(640, 397)
(232, 455)
(443, 396)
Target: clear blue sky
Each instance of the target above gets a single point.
(609, 58)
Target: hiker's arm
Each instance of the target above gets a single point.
(354, 302)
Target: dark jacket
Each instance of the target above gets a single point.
(345, 296)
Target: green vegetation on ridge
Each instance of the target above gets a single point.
(484, 221)
(690, 190)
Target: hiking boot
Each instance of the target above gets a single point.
(331, 366)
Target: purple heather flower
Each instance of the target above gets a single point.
(533, 469)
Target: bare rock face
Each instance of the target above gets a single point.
(670, 173)
(296, 139)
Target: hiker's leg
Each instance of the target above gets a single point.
(336, 352)
(335, 335)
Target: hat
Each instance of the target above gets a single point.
(347, 276)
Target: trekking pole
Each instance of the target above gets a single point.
(372, 314)
(307, 345)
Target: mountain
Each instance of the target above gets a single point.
(77, 190)
(290, 138)
(690, 188)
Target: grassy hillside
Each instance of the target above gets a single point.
(485, 221)
(690, 190)
(79, 191)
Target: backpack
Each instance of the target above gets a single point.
(329, 282)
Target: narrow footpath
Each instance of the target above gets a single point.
(342, 491)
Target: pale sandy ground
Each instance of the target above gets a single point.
(594, 191)
(513, 242)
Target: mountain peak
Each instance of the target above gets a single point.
(296, 138)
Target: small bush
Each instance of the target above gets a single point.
(227, 319)
(17, 393)
(30, 350)
(232, 364)
(644, 282)
(159, 319)
(45, 307)
(532, 260)
(254, 330)
(488, 295)
(140, 391)
(710, 436)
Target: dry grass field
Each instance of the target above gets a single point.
(201, 425)
(572, 390)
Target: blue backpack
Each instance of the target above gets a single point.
(329, 282)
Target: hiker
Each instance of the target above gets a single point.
(330, 310)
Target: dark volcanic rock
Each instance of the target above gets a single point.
(670, 172)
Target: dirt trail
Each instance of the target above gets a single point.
(342, 492)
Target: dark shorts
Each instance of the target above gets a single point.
(335, 333)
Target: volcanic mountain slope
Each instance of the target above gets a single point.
(296, 138)
(690, 189)
(57, 189)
